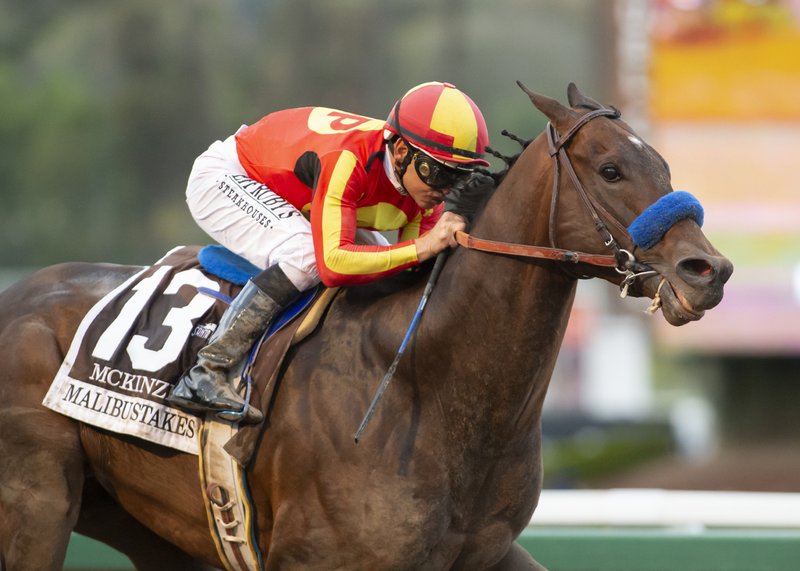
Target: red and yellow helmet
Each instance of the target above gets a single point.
(443, 122)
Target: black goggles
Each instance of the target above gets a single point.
(435, 174)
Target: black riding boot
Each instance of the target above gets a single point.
(207, 386)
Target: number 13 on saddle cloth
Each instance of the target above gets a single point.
(133, 344)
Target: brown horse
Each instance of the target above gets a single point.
(449, 471)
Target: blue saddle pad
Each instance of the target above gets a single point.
(221, 262)
(224, 264)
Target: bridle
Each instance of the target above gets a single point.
(621, 259)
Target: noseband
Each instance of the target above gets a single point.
(621, 259)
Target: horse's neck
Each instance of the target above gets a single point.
(527, 300)
(506, 317)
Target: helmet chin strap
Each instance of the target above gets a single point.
(400, 171)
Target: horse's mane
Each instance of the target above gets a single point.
(472, 201)
(579, 101)
(509, 160)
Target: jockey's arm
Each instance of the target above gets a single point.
(340, 260)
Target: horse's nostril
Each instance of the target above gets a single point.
(698, 267)
(705, 270)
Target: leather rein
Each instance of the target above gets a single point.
(621, 259)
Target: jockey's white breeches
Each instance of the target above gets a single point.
(251, 220)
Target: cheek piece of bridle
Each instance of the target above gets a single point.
(621, 258)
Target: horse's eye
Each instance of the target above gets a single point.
(610, 173)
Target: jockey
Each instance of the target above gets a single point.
(304, 193)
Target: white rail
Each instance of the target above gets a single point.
(666, 508)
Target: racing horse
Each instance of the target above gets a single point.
(449, 472)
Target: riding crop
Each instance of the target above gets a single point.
(437, 269)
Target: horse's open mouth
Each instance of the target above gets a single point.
(677, 309)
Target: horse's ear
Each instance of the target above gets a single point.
(578, 99)
(552, 109)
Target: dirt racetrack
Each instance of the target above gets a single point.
(747, 468)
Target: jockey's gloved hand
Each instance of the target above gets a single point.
(466, 197)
